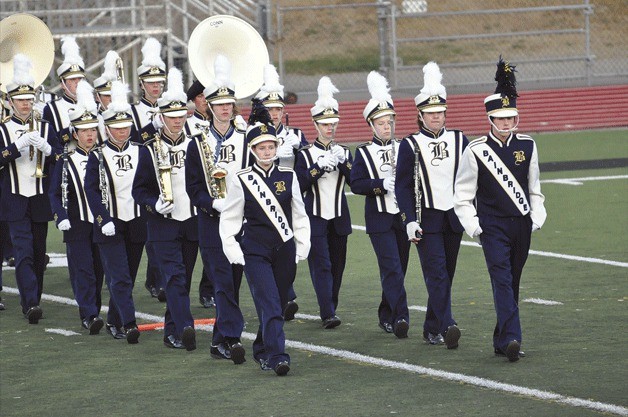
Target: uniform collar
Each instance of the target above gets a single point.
(498, 141)
(199, 115)
(117, 148)
(381, 142)
(262, 172)
(425, 131)
(322, 146)
(281, 128)
(68, 98)
(83, 151)
(148, 103)
(171, 142)
(217, 134)
(17, 120)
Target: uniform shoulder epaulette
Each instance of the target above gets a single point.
(198, 137)
(244, 170)
(148, 142)
(131, 143)
(236, 128)
(284, 169)
(308, 146)
(363, 144)
(477, 141)
(521, 136)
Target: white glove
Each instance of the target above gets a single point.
(535, 227)
(292, 139)
(389, 184)
(300, 258)
(22, 143)
(240, 123)
(219, 204)
(43, 145)
(158, 122)
(33, 137)
(476, 235)
(109, 229)
(64, 225)
(285, 151)
(327, 161)
(239, 261)
(339, 153)
(414, 231)
(163, 207)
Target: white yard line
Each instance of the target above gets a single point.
(401, 366)
(62, 332)
(542, 302)
(579, 181)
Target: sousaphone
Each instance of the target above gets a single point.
(26, 34)
(239, 42)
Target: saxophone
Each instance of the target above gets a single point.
(164, 170)
(216, 176)
(102, 180)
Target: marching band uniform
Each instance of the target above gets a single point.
(499, 201)
(276, 236)
(226, 280)
(372, 175)
(323, 168)
(24, 203)
(119, 230)
(439, 151)
(172, 226)
(73, 216)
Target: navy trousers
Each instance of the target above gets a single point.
(82, 257)
(506, 243)
(116, 265)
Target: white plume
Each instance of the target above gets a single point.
(110, 72)
(85, 96)
(70, 51)
(119, 101)
(22, 67)
(175, 90)
(151, 54)
(222, 72)
(326, 91)
(271, 80)
(378, 87)
(432, 81)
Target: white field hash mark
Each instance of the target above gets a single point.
(542, 302)
(420, 370)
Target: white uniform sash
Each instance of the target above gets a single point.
(268, 203)
(503, 176)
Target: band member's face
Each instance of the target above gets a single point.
(434, 121)
(152, 89)
(119, 134)
(87, 137)
(265, 151)
(326, 130)
(503, 124)
(22, 107)
(69, 86)
(174, 124)
(201, 103)
(104, 100)
(276, 114)
(383, 127)
(223, 112)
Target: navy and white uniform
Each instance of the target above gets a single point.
(384, 225)
(276, 231)
(439, 160)
(142, 112)
(498, 190)
(56, 112)
(282, 132)
(122, 252)
(25, 206)
(226, 277)
(84, 265)
(330, 221)
(174, 236)
(192, 121)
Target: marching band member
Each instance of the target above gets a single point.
(159, 186)
(373, 175)
(119, 230)
(436, 230)
(72, 213)
(276, 235)
(290, 138)
(24, 203)
(499, 202)
(70, 73)
(152, 75)
(323, 168)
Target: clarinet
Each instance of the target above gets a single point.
(418, 189)
(102, 181)
(64, 178)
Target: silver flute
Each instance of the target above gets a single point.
(418, 188)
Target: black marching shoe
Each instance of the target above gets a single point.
(132, 334)
(401, 329)
(512, 351)
(452, 336)
(220, 351)
(207, 302)
(387, 327)
(33, 314)
(151, 290)
(93, 324)
(161, 295)
(331, 322)
(172, 342)
(237, 352)
(282, 368)
(499, 352)
(433, 339)
(290, 310)
(188, 338)
(115, 332)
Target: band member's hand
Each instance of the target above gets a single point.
(239, 122)
(285, 151)
(109, 229)
(389, 184)
(163, 207)
(218, 204)
(22, 143)
(64, 225)
(414, 231)
(339, 153)
(239, 261)
(476, 235)
(327, 162)
(300, 258)
(43, 145)
(292, 140)
(535, 227)
(158, 122)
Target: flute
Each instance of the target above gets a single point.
(418, 189)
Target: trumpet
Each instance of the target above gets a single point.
(33, 126)
(216, 176)
(164, 170)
